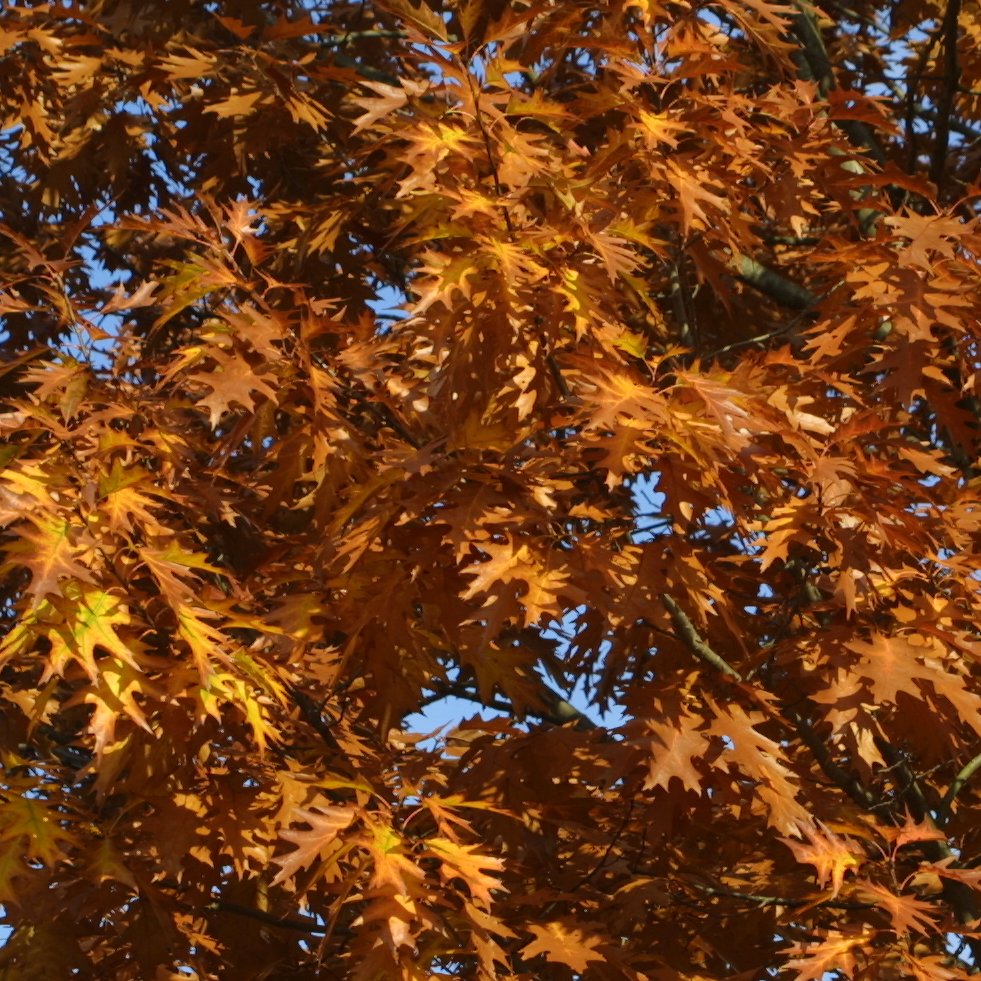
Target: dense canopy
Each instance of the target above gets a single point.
(613, 368)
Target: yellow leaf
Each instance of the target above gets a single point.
(236, 105)
(467, 863)
(634, 344)
(564, 942)
(91, 621)
(195, 64)
(316, 844)
(36, 826)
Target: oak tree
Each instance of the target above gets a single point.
(613, 368)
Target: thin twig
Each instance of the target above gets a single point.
(907, 784)
(498, 189)
(757, 900)
(608, 850)
(782, 331)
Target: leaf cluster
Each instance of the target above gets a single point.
(612, 368)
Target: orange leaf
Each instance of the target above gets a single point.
(466, 862)
(564, 942)
(906, 912)
(830, 855)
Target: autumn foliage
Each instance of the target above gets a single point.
(614, 368)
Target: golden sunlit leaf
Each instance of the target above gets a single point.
(564, 943)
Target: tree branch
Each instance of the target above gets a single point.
(815, 65)
(958, 894)
(339, 40)
(785, 291)
(966, 772)
(848, 782)
(945, 106)
(812, 60)
(693, 640)
(300, 925)
(758, 900)
(554, 708)
(697, 645)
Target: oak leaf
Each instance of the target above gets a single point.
(835, 952)
(675, 746)
(467, 863)
(907, 913)
(830, 855)
(563, 942)
(316, 844)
